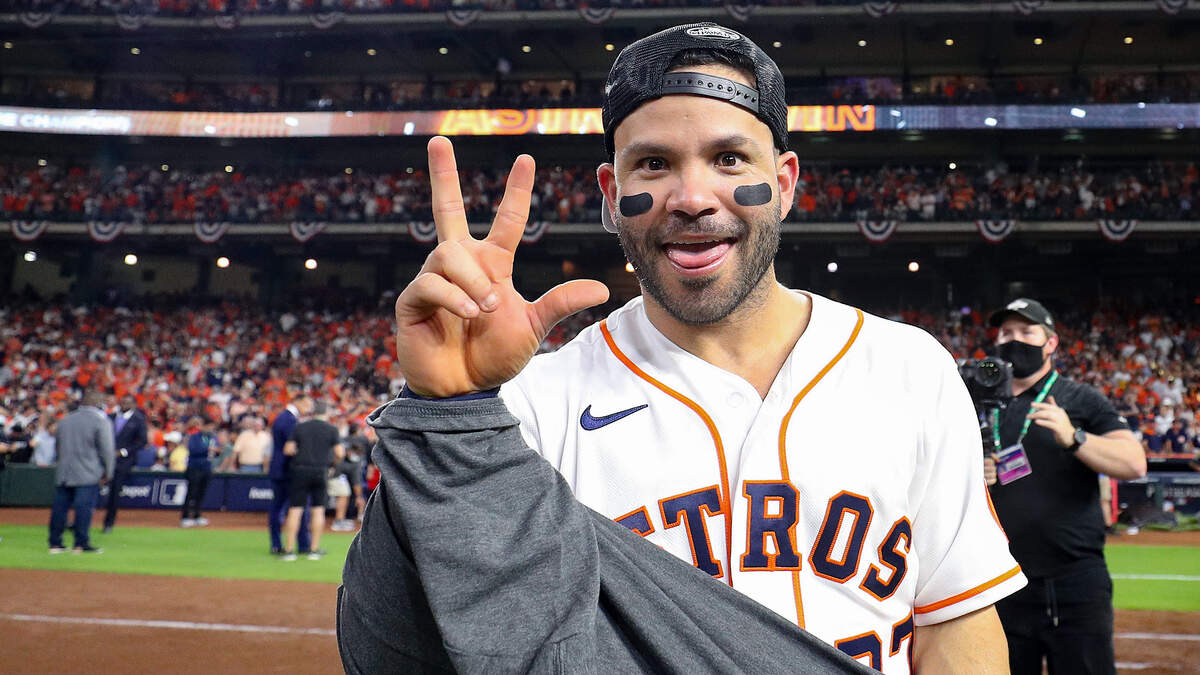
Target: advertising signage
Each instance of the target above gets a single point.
(585, 121)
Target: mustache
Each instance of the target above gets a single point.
(675, 225)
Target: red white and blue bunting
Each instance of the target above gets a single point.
(740, 11)
(878, 10)
(303, 231)
(28, 230)
(327, 20)
(226, 21)
(422, 233)
(461, 18)
(211, 233)
(877, 231)
(995, 230)
(1027, 7)
(132, 19)
(595, 15)
(104, 232)
(1170, 7)
(1116, 230)
(36, 19)
(534, 232)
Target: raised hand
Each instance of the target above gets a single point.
(460, 325)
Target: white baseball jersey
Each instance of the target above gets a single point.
(850, 500)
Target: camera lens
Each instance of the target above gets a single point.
(989, 373)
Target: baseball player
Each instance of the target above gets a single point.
(820, 460)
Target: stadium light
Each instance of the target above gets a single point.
(949, 42)
(777, 44)
(1128, 39)
(408, 128)
(310, 264)
(832, 267)
(990, 121)
(608, 47)
(371, 52)
(228, 168)
(165, 167)
(952, 166)
(135, 51)
(210, 129)
(862, 43)
(291, 121)
(30, 256)
(1038, 41)
(914, 266)
(629, 267)
(222, 262)
(443, 51)
(8, 45)
(526, 48)
(1078, 112)
(349, 171)
(1141, 105)
(41, 162)
(130, 259)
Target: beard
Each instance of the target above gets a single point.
(709, 300)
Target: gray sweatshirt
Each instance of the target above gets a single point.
(84, 440)
(475, 557)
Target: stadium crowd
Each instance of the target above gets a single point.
(231, 364)
(146, 194)
(372, 94)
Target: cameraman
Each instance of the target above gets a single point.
(1056, 436)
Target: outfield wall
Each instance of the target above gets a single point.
(24, 485)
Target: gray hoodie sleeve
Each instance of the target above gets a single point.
(475, 557)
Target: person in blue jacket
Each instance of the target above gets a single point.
(281, 429)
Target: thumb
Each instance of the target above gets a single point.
(1051, 400)
(564, 300)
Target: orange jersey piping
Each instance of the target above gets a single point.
(783, 464)
(708, 422)
(925, 609)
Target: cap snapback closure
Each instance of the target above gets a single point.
(703, 84)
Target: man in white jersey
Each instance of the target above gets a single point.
(711, 415)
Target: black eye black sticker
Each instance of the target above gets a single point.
(752, 195)
(636, 205)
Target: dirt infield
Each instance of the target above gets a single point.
(76, 622)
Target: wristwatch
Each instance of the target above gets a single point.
(1078, 439)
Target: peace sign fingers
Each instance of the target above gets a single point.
(449, 214)
(513, 211)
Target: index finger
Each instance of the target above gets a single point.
(449, 214)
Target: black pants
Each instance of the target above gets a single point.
(120, 476)
(197, 486)
(1066, 620)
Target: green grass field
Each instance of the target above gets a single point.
(197, 552)
(243, 555)
(1170, 594)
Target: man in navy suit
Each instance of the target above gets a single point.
(281, 430)
(129, 437)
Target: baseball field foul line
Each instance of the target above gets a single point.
(184, 625)
(1157, 577)
(1159, 636)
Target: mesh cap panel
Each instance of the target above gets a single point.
(638, 75)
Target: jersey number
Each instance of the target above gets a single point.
(870, 646)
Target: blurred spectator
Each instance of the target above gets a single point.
(44, 452)
(177, 457)
(143, 194)
(252, 449)
(20, 450)
(202, 446)
(130, 438)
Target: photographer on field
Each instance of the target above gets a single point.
(1053, 438)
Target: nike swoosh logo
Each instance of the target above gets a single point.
(590, 423)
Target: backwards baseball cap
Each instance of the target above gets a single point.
(1031, 310)
(640, 74)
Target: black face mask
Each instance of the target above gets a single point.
(1026, 359)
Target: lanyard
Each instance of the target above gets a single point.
(1024, 429)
